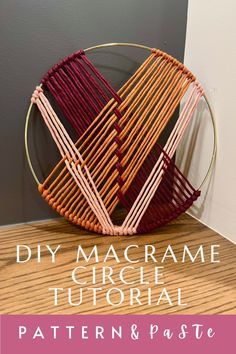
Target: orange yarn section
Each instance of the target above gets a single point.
(114, 155)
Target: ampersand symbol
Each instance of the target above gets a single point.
(134, 332)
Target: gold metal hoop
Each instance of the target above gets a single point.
(212, 161)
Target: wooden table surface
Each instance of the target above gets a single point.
(207, 288)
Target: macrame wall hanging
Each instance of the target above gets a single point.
(118, 159)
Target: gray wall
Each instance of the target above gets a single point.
(34, 36)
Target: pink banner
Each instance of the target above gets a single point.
(126, 334)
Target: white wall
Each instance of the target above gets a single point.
(211, 55)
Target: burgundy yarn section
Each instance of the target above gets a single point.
(81, 92)
(79, 89)
(173, 197)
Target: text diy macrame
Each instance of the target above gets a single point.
(116, 274)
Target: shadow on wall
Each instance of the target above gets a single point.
(195, 153)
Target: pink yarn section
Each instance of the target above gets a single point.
(68, 149)
(149, 188)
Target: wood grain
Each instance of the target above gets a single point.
(207, 288)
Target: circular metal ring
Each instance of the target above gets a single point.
(212, 161)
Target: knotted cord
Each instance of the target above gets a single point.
(67, 147)
(118, 136)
